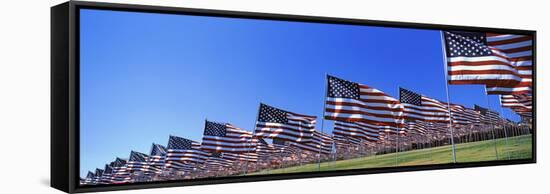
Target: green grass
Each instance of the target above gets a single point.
(517, 148)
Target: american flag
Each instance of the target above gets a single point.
(519, 50)
(245, 157)
(487, 116)
(277, 123)
(217, 163)
(183, 153)
(97, 176)
(158, 156)
(502, 62)
(139, 162)
(419, 107)
(462, 116)
(89, 178)
(107, 175)
(416, 126)
(520, 104)
(321, 142)
(120, 171)
(353, 102)
(266, 150)
(356, 130)
(224, 137)
(344, 141)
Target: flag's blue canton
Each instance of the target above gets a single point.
(482, 111)
(272, 115)
(108, 169)
(406, 96)
(179, 143)
(466, 44)
(215, 129)
(90, 175)
(98, 172)
(277, 141)
(118, 162)
(339, 88)
(216, 155)
(262, 141)
(137, 157)
(158, 150)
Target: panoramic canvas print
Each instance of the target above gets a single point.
(173, 97)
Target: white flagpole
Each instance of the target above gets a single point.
(504, 127)
(323, 121)
(491, 121)
(444, 52)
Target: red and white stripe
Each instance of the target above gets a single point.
(518, 50)
(373, 107)
(357, 130)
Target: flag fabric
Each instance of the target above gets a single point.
(519, 50)
(356, 130)
(267, 151)
(217, 163)
(419, 107)
(460, 116)
(89, 178)
(120, 171)
(158, 156)
(183, 153)
(501, 62)
(353, 102)
(139, 162)
(224, 137)
(321, 142)
(97, 176)
(487, 116)
(107, 175)
(277, 123)
(416, 126)
(521, 104)
(344, 141)
(245, 157)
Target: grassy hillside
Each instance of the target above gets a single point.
(517, 148)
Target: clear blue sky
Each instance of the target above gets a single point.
(146, 76)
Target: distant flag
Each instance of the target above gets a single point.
(216, 163)
(460, 116)
(416, 126)
(120, 171)
(224, 137)
(89, 178)
(97, 176)
(501, 62)
(139, 162)
(353, 102)
(266, 150)
(521, 104)
(107, 175)
(321, 142)
(244, 157)
(486, 115)
(419, 107)
(277, 123)
(356, 130)
(183, 153)
(344, 141)
(158, 156)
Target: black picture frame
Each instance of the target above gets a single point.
(65, 94)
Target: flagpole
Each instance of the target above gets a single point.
(251, 142)
(491, 121)
(444, 52)
(504, 128)
(322, 122)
